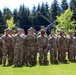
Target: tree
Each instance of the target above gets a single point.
(23, 15)
(15, 16)
(64, 21)
(10, 23)
(44, 12)
(64, 5)
(73, 8)
(2, 23)
(7, 14)
(33, 15)
(54, 10)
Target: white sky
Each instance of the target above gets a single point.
(12, 4)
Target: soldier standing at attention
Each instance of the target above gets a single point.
(24, 48)
(18, 49)
(42, 41)
(11, 49)
(1, 48)
(62, 47)
(75, 48)
(53, 47)
(35, 47)
(71, 46)
(6, 41)
(29, 43)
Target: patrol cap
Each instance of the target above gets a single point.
(42, 27)
(52, 32)
(32, 28)
(1, 35)
(42, 30)
(62, 32)
(7, 30)
(29, 29)
(71, 32)
(19, 29)
(22, 29)
(10, 30)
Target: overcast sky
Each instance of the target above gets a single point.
(12, 4)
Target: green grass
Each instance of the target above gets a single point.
(61, 69)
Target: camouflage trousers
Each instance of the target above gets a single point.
(4, 57)
(35, 55)
(71, 54)
(62, 54)
(53, 55)
(10, 55)
(43, 56)
(18, 56)
(30, 55)
(25, 56)
(0, 56)
(75, 53)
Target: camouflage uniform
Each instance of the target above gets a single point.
(75, 48)
(6, 40)
(29, 43)
(11, 49)
(18, 50)
(62, 47)
(53, 49)
(42, 41)
(71, 47)
(36, 47)
(24, 48)
(1, 46)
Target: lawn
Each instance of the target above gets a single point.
(51, 69)
(60, 69)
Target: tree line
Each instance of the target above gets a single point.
(24, 17)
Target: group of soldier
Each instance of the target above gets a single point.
(20, 49)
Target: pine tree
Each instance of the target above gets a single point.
(15, 16)
(23, 14)
(64, 5)
(54, 10)
(2, 23)
(73, 8)
(7, 14)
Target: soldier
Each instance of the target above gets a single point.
(11, 49)
(29, 43)
(1, 47)
(53, 47)
(35, 47)
(71, 46)
(39, 33)
(6, 40)
(62, 47)
(24, 48)
(42, 41)
(75, 48)
(18, 49)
